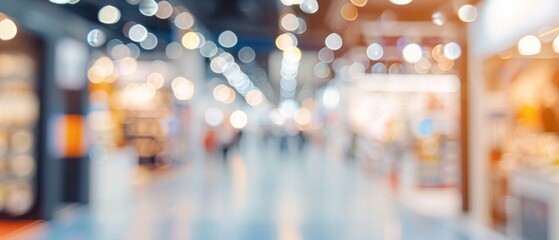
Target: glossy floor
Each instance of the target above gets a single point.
(258, 193)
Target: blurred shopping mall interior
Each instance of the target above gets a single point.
(279, 119)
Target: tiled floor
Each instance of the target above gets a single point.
(258, 194)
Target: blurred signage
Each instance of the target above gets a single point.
(71, 64)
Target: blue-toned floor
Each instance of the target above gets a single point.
(257, 194)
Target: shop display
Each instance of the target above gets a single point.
(413, 126)
(19, 111)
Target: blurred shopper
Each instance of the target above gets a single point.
(227, 138)
(210, 140)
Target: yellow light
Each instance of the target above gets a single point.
(191, 40)
(8, 29)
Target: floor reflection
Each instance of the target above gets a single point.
(256, 193)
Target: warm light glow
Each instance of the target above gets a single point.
(292, 55)
(529, 45)
(156, 80)
(286, 41)
(190, 40)
(224, 94)
(8, 29)
(254, 98)
(109, 14)
(349, 12)
(183, 89)
(555, 44)
(467, 13)
(359, 3)
(128, 66)
(438, 18)
(303, 117)
(412, 53)
(238, 119)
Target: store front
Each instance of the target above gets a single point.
(514, 112)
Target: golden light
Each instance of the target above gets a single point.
(359, 3)
(349, 12)
(191, 40)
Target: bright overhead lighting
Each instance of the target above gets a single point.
(401, 2)
(412, 53)
(529, 45)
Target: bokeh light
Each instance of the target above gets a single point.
(95, 37)
(529, 45)
(375, 51)
(467, 13)
(412, 53)
(213, 117)
(184, 20)
(247, 54)
(138, 33)
(238, 119)
(148, 7)
(289, 22)
(191, 40)
(109, 14)
(333, 41)
(183, 89)
(164, 10)
(227, 39)
(452, 51)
